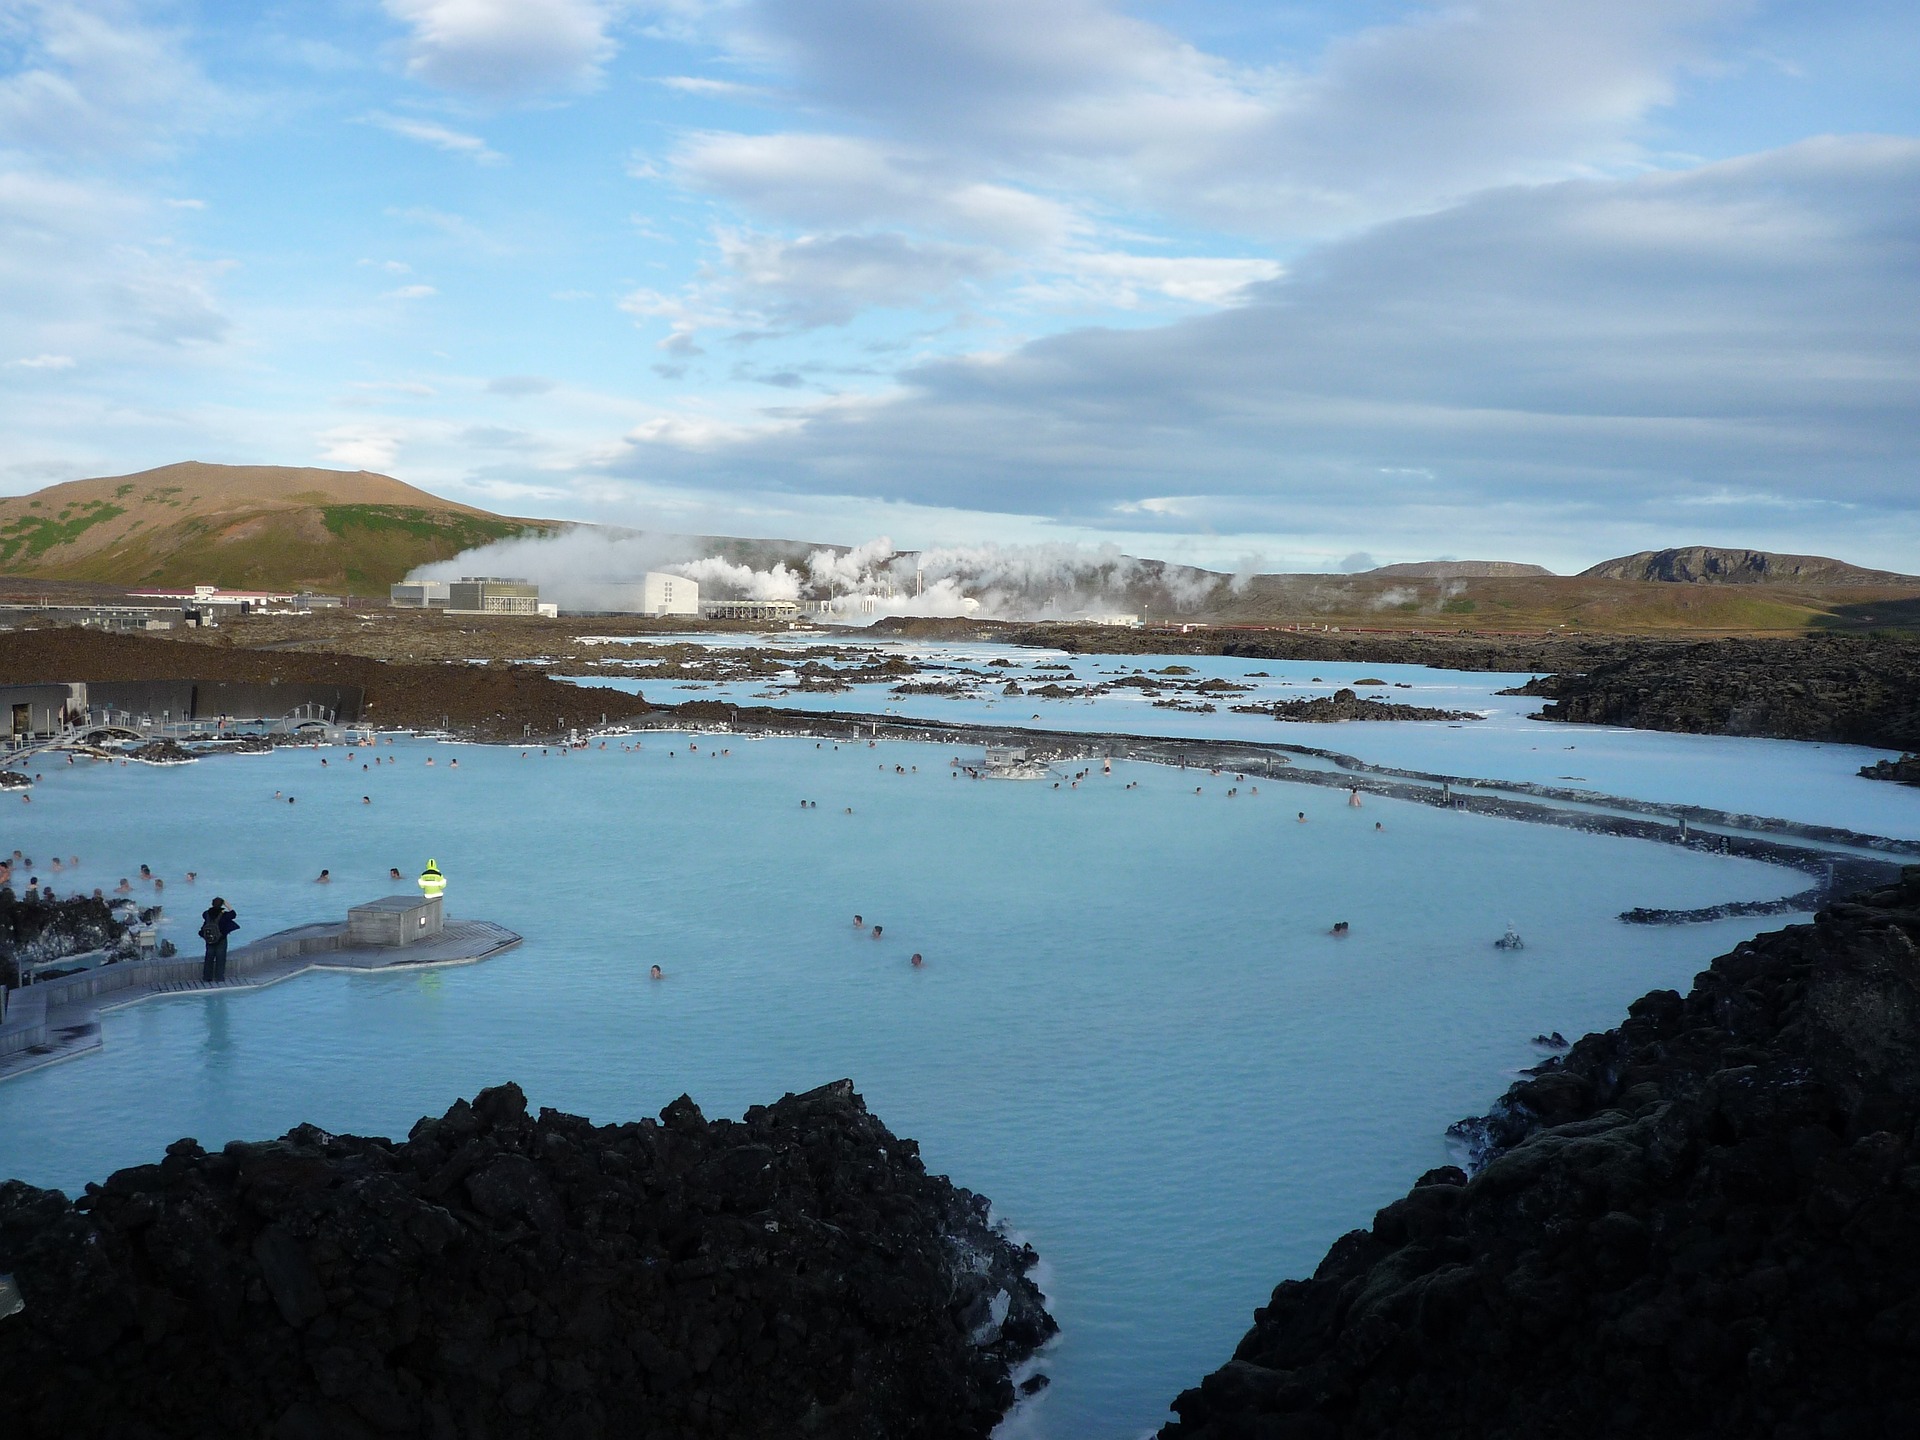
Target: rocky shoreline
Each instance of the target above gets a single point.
(797, 1272)
(1854, 690)
(34, 928)
(1904, 771)
(493, 701)
(1705, 1222)
(1345, 704)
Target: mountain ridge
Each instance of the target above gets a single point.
(1721, 565)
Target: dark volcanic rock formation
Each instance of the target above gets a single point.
(1716, 565)
(1862, 691)
(1344, 704)
(794, 1274)
(1904, 771)
(39, 928)
(1703, 1223)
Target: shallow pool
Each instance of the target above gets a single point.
(1132, 1029)
(1818, 784)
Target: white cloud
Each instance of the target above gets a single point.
(519, 385)
(1585, 356)
(44, 362)
(94, 81)
(412, 292)
(75, 281)
(1397, 118)
(828, 279)
(364, 449)
(440, 137)
(1119, 281)
(841, 182)
(506, 49)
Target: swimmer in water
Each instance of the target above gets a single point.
(1300, 817)
(1339, 929)
(876, 932)
(454, 763)
(289, 799)
(325, 877)
(123, 888)
(858, 923)
(1378, 826)
(56, 862)
(366, 799)
(192, 875)
(1353, 797)
(916, 962)
(429, 759)
(656, 973)
(158, 884)
(146, 872)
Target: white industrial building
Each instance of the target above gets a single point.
(662, 594)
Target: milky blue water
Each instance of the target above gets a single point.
(1132, 1030)
(1815, 783)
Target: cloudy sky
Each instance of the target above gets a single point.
(1528, 279)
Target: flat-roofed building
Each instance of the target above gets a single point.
(36, 711)
(418, 595)
(492, 595)
(750, 610)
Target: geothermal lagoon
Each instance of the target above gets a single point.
(1132, 1029)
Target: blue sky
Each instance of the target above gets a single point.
(1523, 279)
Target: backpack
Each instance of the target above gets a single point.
(210, 929)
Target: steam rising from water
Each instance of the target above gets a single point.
(592, 569)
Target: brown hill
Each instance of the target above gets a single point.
(1713, 565)
(1457, 570)
(243, 526)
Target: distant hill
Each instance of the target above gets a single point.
(1457, 570)
(240, 526)
(1711, 565)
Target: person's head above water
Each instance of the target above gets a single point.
(876, 932)
(657, 973)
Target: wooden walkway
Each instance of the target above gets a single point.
(60, 1019)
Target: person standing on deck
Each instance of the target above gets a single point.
(217, 922)
(432, 883)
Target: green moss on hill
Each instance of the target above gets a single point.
(464, 531)
(33, 535)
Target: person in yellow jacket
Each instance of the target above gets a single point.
(432, 883)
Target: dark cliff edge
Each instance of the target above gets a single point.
(499, 1274)
(1855, 690)
(1705, 1222)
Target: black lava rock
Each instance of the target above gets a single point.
(797, 1273)
(1856, 689)
(1705, 1222)
(1904, 771)
(40, 928)
(1344, 704)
